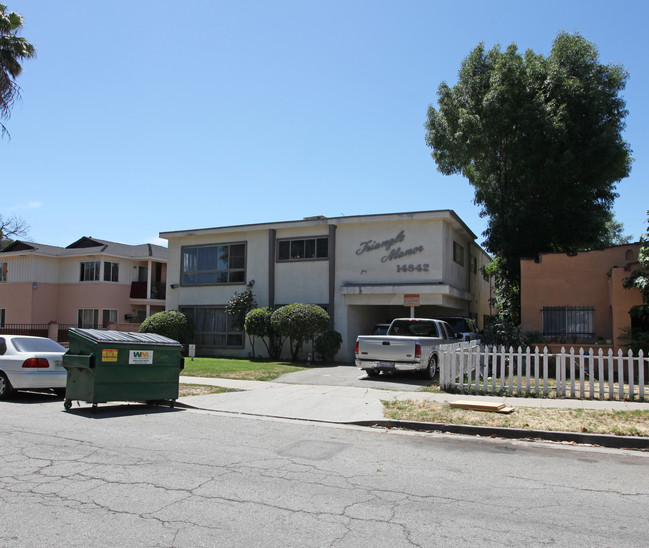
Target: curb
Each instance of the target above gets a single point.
(603, 440)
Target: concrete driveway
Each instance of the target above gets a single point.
(349, 375)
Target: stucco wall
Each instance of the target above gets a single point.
(99, 295)
(17, 300)
(586, 279)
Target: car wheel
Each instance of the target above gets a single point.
(5, 387)
(372, 372)
(432, 370)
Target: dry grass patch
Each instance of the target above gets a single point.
(621, 423)
(185, 390)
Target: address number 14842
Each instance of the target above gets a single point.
(413, 268)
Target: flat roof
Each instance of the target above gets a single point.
(321, 220)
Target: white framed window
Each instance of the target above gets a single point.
(88, 318)
(214, 264)
(111, 271)
(89, 271)
(109, 315)
(3, 272)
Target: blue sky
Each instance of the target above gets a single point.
(146, 116)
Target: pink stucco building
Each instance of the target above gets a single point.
(90, 283)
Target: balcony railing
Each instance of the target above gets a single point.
(158, 291)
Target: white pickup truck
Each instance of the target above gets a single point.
(410, 345)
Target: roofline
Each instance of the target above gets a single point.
(314, 221)
(46, 250)
(579, 251)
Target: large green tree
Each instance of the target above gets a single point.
(540, 140)
(614, 234)
(13, 50)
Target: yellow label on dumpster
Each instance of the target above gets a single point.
(108, 355)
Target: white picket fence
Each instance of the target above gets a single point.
(475, 368)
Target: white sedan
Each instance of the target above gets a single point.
(30, 362)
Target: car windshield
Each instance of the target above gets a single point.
(413, 328)
(25, 344)
(459, 325)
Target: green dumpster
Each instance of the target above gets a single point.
(108, 366)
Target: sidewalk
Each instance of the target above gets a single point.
(344, 404)
(363, 407)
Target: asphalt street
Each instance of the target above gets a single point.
(137, 476)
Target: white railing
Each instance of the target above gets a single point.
(471, 367)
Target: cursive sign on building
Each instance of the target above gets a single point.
(389, 246)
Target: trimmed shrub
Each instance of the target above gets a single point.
(327, 344)
(170, 323)
(299, 322)
(257, 324)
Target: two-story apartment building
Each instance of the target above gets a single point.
(90, 283)
(363, 270)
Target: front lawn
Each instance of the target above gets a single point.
(231, 368)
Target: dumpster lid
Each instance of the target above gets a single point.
(123, 337)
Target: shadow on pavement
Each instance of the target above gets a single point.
(33, 396)
(405, 378)
(112, 411)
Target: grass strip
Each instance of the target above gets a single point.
(619, 423)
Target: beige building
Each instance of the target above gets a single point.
(579, 298)
(363, 270)
(90, 283)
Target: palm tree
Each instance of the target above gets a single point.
(13, 49)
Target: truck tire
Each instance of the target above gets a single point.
(432, 371)
(372, 372)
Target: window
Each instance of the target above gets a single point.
(571, 321)
(458, 253)
(215, 264)
(88, 318)
(303, 249)
(111, 271)
(90, 271)
(108, 316)
(474, 264)
(2, 317)
(3, 272)
(213, 327)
